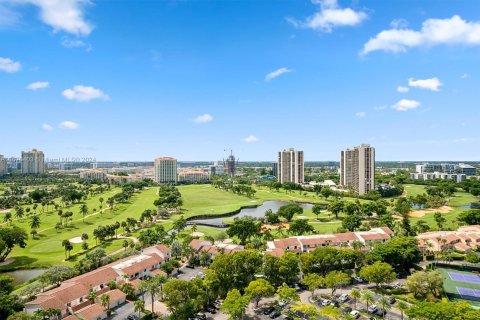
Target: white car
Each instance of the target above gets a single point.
(344, 297)
(372, 308)
(326, 302)
(355, 314)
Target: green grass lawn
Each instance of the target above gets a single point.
(414, 189)
(450, 286)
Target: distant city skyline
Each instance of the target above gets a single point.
(118, 81)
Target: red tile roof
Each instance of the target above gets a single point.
(95, 277)
(92, 312)
(287, 242)
(346, 237)
(115, 295)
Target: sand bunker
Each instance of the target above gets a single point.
(197, 234)
(421, 213)
(76, 240)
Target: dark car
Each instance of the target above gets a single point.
(201, 316)
(132, 317)
(274, 314)
(346, 309)
(381, 313)
(210, 309)
(190, 266)
(391, 300)
(268, 310)
(288, 318)
(334, 303)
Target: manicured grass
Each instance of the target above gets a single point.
(450, 286)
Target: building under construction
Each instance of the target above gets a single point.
(230, 165)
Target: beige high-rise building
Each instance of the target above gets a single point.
(33, 162)
(165, 170)
(357, 168)
(290, 166)
(3, 165)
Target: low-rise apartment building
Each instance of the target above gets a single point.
(92, 174)
(299, 244)
(465, 239)
(71, 297)
(193, 176)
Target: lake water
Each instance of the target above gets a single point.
(22, 276)
(258, 212)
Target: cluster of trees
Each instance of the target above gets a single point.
(472, 186)
(168, 197)
(236, 185)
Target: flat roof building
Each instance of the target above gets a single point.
(290, 166)
(33, 162)
(3, 165)
(165, 170)
(357, 168)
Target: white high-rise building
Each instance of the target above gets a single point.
(33, 162)
(357, 168)
(3, 165)
(290, 166)
(165, 170)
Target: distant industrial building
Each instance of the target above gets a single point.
(3, 165)
(193, 176)
(357, 168)
(290, 166)
(33, 162)
(450, 168)
(165, 170)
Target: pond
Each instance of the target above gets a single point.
(258, 212)
(22, 276)
(471, 205)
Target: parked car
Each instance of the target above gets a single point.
(210, 309)
(132, 317)
(334, 303)
(372, 308)
(358, 279)
(346, 309)
(355, 314)
(274, 314)
(326, 302)
(217, 303)
(380, 313)
(282, 303)
(343, 298)
(397, 285)
(268, 310)
(200, 316)
(288, 318)
(190, 266)
(391, 300)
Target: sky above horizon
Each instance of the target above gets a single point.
(134, 80)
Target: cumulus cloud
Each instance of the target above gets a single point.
(330, 16)
(277, 73)
(427, 84)
(403, 89)
(38, 85)
(203, 118)
(70, 125)
(47, 127)
(360, 114)
(250, 139)
(84, 93)
(405, 105)
(10, 66)
(62, 15)
(450, 31)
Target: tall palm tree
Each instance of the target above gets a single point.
(35, 222)
(356, 294)
(368, 297)
(385, 305)
(105, 300)
(92, 296)
(402, 306)
(84, 211)
(139, 306)
(19, 213)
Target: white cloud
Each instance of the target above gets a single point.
(71, 125)
(75, 43)
(360, 114)
(10, 66)
(62, 15)
(433, 32)
(47, 127)
(380, 108)
(84, 93)
(38, 85)
(277, 73)
(250, 139)
(330, 16)
(403, 89)
(399, 23)
(203, 118)
(405, 105)
(465, 76)
(433, 84)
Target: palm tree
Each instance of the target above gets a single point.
(33, 232)
(19, 212)
(194, 228)
(35, 222)
(92, 296)
(84, 211)
(7, 217)
(125, 244)
(154, 286)
(105, 300)
(101, 204)
(385, 305)
(139, 306)
(368, 297)
(402, 306)
(356, 294)
(68, 247)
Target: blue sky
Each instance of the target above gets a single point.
(133, 80)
